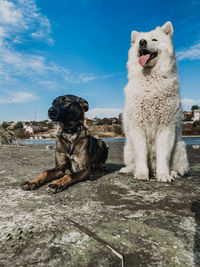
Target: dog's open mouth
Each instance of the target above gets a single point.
(145, 56)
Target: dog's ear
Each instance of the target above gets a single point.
(134, 35)
(84, 104)
(167, 28)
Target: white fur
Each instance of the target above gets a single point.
(152, 114)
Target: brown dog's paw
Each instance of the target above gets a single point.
(27, 185)
(54, 188)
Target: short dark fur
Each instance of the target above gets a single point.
(76, 151)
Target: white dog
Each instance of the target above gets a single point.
(152, 114)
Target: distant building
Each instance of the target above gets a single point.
(113, 120)
(32, 129)
(196, 115)
(87, 122)
(187, 116)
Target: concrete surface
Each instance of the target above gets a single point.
(109, 220)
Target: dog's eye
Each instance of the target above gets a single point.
(154, 40)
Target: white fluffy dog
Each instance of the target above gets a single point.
(152, 114)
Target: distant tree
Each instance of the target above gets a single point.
(194, 107)
(21, 133)
(98, 121)
(118, 121)
(106, 121)
(18, 125)
(118, 130)
(43, 123)
(120, 118)
(34, 123)
(196, 124)
(6, 137)
(50, 125)
(5, 125)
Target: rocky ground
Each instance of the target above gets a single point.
(109, 220)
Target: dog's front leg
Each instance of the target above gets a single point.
(138, 141)
(67, 180)
(62, 163)
(42, 178)
(164, 145)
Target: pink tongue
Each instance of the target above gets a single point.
(143, 59)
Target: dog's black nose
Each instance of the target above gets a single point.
(53, 113)
(143, 43)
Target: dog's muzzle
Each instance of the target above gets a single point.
(143, 43)
(54, 113)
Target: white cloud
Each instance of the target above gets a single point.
(9, 13)
(23, 16)
(111, 75)
(192, 53)
(187, 103)
(18, 97)
(41, 33)
(84, 77)
(20, 20)
(50, 84)
(17, 64)
(79, 78)
(88, 77)
(103, 113)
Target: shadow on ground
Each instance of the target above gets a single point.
(195, 207)
(109, 220)
(109, 169)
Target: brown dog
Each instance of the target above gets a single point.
(76, 151)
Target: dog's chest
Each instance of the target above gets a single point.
(66, 143)
(71, 147)
(74, 163)
(73, 158)
(151, 107)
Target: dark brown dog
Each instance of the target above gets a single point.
(76, 151)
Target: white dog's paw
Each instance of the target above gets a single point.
(164, 177)
(141, 176)
(184, 171)
(126, 170)
(174, 174)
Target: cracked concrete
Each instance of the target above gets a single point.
(93, 223)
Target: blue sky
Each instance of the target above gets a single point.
(52, 48)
